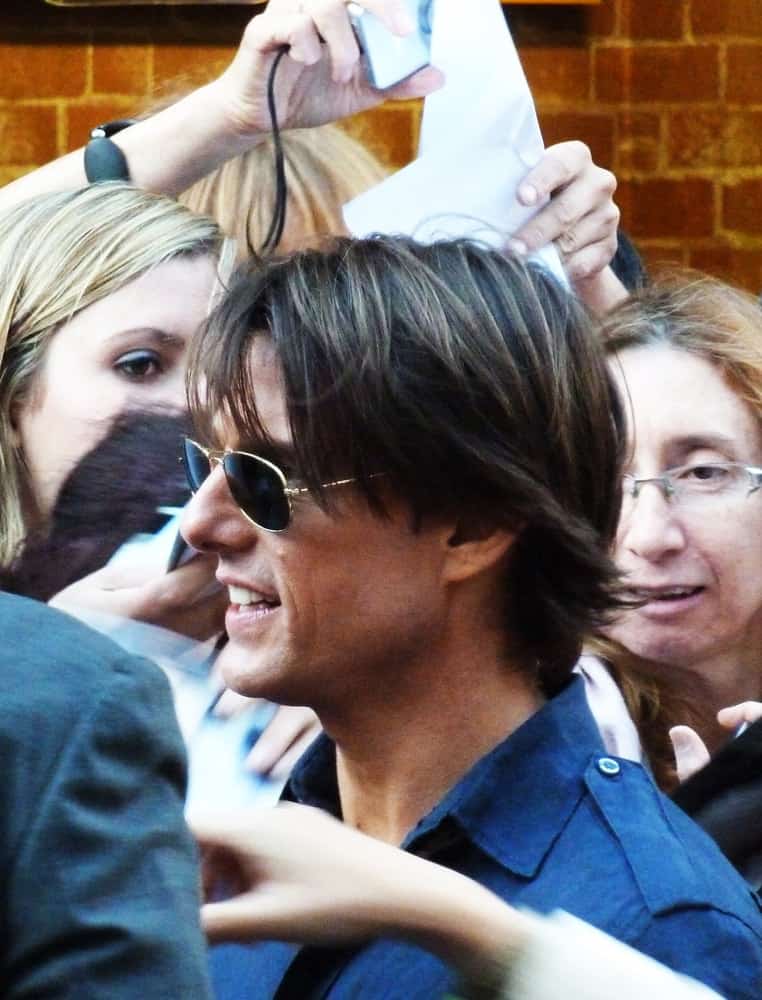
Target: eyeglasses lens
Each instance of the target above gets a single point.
(254, 485)
(197, 465)
(258, 490)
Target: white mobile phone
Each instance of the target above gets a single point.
(390, 59)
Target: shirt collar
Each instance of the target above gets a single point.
(513, 803)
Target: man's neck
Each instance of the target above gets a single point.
(396, 761)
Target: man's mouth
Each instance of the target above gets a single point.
(256, 600)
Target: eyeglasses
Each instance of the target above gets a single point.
(259, 488)
(697, 485)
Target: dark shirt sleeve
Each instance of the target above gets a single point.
(713, 947)
(101, 895)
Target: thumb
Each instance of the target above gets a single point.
(690, 753)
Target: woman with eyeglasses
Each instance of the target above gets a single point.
(688, 358)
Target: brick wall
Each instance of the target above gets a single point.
(668, 93)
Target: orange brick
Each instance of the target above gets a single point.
(28, 135)
(658, 21)
(194, 64)
(389, 131)
(597, 130)
(667, 209)
(727, 17)
(557, 73)
(658, 73)
(121, 69)
(639, 141)
(601, 20)
(40, 71)
(716, 138)
(8, 174)
(662, 256)
(742, 206)
(80, 118)
(745, 74)
(738, 266)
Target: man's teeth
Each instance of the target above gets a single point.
(244, 596)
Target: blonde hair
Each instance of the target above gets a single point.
(723, 325)
(60, 253)
(325, 168)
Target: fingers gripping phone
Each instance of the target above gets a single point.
(389, 58)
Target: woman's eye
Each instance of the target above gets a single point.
(139, 364)
(707, 473)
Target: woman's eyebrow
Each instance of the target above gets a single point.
(152, 335)
(695, 442)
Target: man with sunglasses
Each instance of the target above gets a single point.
(408, 461)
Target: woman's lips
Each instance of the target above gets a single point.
(662, 602)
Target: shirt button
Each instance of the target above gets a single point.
(608, 766)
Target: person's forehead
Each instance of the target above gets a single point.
(268, 398)
(676, 398)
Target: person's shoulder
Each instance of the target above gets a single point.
(51, 662)
(47, 641)
(674, 863)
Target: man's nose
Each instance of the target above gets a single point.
(212, 521)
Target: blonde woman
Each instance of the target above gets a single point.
(101, 291)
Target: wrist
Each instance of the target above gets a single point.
(224, 119)
(466, 925)
(197, 133)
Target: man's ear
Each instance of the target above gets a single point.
(473, 547)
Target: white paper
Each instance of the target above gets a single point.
(486, 98)
(479, 139)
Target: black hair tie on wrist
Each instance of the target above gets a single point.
(104, 160)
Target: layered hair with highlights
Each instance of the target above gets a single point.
(60, 253)
(473, 381)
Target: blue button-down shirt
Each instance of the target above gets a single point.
(547, 820)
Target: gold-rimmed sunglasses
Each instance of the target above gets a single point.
(259, 488)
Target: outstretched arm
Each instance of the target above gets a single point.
(320, 80)
(363, 888)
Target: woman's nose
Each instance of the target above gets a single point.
(650, 525)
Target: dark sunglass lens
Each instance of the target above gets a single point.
(197, 465)
(258, 490)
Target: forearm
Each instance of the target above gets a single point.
(504, 952)
(563, 956)
(457, 919)
(194, 136)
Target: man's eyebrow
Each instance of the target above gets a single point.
(278, 452)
